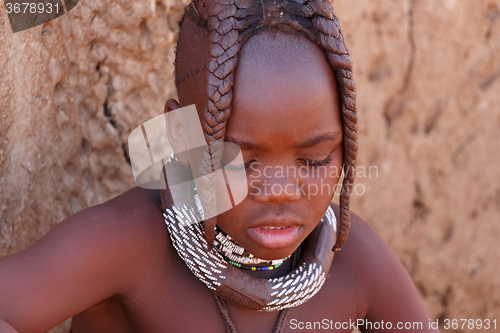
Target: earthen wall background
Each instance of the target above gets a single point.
(428, 80)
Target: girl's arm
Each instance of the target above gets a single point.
(89, 257)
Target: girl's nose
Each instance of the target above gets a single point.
(275, 189)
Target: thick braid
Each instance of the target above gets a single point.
(224, 48)
(332, 42)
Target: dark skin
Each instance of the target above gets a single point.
(113, 268)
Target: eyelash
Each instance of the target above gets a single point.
(307, 162)
(320, 163)
(232, 167)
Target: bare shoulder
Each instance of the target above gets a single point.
(100, 252)
(128, 222)
(135, 212)
(358, 264)
(364, 248)
(129, 228)
(385, 289)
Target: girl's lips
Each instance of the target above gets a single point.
(275, 238)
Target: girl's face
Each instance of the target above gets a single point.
(286, 120)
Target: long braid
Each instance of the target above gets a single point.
(224, 48)
(231, 23)
(332, 42)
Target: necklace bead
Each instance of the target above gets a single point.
(238, 257)
(218, 274)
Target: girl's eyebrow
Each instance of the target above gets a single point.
(242, 144)
(329, 136)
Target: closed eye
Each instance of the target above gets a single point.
(318, 163)
(234, 166)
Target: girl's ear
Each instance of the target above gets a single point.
(176, 133)
(170, 105)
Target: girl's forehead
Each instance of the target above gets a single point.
(277, 71)
(277, 52)
(281, 95)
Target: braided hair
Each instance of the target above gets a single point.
(228, 24)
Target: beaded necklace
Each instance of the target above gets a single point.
(293, 289)
(238, 257)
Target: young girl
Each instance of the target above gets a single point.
(274, 78)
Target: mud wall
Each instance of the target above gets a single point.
(428, 78)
